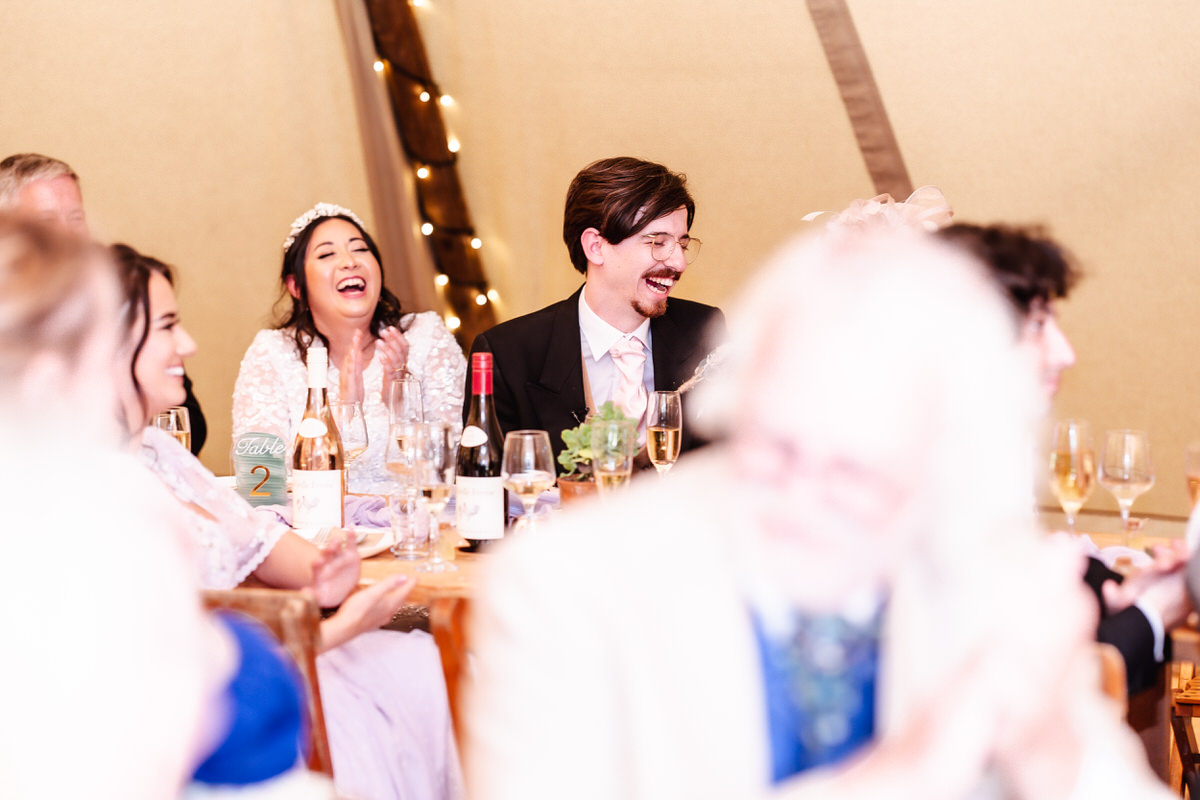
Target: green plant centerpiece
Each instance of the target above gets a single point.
(576, 456)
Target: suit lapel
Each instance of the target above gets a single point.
(673, 349)
(557, 392)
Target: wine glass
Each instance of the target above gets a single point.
(613, 444)
(436, 452)
(404, 400)
(527, 469)
(664, 430)
(400, 456)
(1072, 467)
(1191, 468)
(1126, 470)
(352, 427)
(177, 422)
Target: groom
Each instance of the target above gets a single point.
(620, 337)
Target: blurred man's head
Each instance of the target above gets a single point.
(44, 188)
(1033, 272)
(875, 405)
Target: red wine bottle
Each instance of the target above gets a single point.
(480, 504)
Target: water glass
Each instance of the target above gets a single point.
(614, 442)
(410, 533)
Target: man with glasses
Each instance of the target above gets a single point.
(619, 337)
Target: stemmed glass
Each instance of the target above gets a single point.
(400, 456)
(177, 422)
(1126, 470)
(436, 452)
(352, 427)
(664, 430)
(1072, 467)
(404, 400)
(528, 470)
(613, 444)
(1191, 468)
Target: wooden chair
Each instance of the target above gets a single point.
(449, 616)
(1185, 707)
(295, 620)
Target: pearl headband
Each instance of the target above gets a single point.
(317, 212)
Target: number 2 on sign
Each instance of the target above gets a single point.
(266, 477)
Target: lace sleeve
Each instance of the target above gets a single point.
(262, 392)
(230, 538)
(443, 370)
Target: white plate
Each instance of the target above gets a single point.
(360, 533)
(373, 541)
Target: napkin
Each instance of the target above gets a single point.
(368, 511)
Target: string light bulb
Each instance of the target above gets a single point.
(453, 323)
(422, 172)
(441, 279)
(452, 145)
(378, 66)
(446, 100)
(427, 228)
(418, 3)
(493, 295)
(476, 243)
(424, 96)
(480, 300)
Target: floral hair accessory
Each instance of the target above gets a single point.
(317, 212)
(925, 209)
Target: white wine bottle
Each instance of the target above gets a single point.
(480, 504)
(318, 484)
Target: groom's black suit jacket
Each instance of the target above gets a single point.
(538, 365)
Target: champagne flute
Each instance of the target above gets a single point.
(352, 427)
(400, 456)
(1126, 470)
(1191, 467)
(664, 430)
(613, 444)
(1072, 467)
(404, 400)
(527, 469)
(436, 453)
(177, 422)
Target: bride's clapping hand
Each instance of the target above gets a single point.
(336, 569)
(393, 349)
(350, 380)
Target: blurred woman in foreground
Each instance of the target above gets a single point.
(111, 671)
(838, 618)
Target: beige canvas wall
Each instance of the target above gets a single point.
(201, 129)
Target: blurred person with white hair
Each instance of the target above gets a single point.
(802, 611)
(47, 189)
(111, 667)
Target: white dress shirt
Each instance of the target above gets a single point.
(596, 338)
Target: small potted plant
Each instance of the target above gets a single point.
(576, 456)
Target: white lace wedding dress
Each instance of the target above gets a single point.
(272, 388)
(383, 692)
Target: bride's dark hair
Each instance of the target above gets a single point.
(298, 318)
(134, 271)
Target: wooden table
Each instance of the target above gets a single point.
(458, 583)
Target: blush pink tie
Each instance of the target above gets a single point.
(630, 359)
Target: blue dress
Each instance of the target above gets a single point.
(264, 705)
(820, 690)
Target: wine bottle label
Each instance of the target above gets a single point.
(479, 507)
(312, 428)
(316, 498)
(473, 436)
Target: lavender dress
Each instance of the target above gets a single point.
(383, 692)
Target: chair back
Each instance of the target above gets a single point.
(448, 619)
(295, 620)
(1112, 674)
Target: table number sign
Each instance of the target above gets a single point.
(260, 466)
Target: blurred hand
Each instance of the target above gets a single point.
(365, 610)
(1161, 585)
(336, 569)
